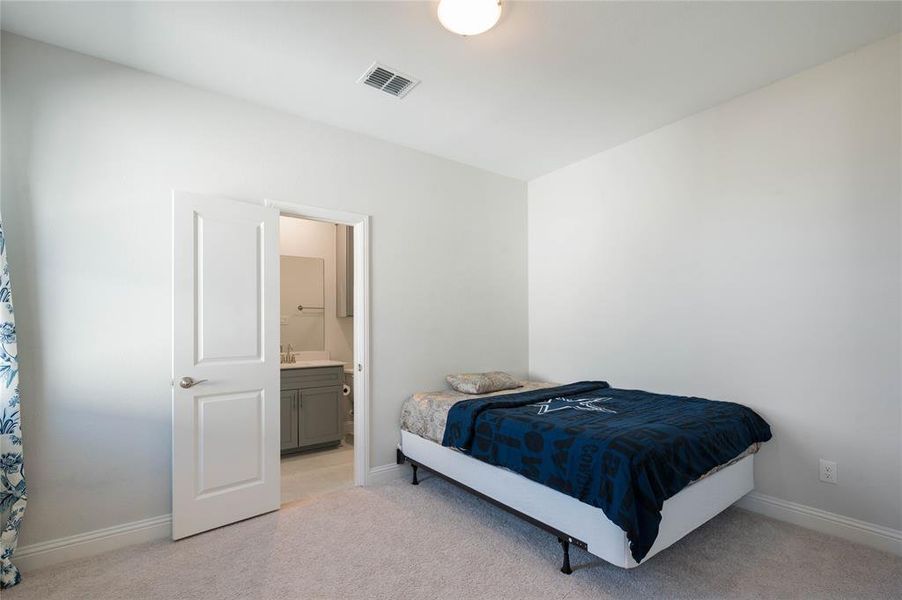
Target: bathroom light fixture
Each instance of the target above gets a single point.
(469, 17)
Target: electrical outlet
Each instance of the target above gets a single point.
(828, 471)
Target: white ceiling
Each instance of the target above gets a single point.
(554, 82)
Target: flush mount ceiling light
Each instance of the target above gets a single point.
(469, 17)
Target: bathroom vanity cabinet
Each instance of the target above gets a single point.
(311, 408)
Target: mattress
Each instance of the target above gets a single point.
(425, 414)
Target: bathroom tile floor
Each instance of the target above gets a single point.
(316, 473)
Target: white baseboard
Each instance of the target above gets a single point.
(861, 532)
(384, 474)
(43, 554)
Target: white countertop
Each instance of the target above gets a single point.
(311, 364)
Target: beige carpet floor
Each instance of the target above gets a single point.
(312, 474)
(435, 541)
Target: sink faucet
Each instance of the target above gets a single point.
(286, 357)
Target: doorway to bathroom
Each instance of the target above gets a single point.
(316, 352)
(226, 374)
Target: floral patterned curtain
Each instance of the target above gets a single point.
(12, 471)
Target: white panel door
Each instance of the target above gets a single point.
(225, 362)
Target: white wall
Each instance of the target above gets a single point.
(749, 253)
(91, 151)
(301, 237)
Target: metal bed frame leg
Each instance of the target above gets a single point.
(565, 544)
(562, 537)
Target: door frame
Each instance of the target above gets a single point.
(362, 377)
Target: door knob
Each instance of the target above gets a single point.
(187, 382)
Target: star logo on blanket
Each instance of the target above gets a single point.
(593, 404)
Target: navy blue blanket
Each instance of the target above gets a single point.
(623, 451)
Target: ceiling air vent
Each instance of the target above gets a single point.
(388, 80)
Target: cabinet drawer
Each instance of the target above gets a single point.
(312, 378)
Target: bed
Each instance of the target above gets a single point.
(695, 458)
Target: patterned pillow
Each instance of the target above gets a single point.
(482, 383)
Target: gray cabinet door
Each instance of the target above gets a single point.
(320, 420)
(289, 419)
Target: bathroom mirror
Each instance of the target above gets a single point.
(301, 303)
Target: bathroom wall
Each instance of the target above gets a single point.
(300, 237)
